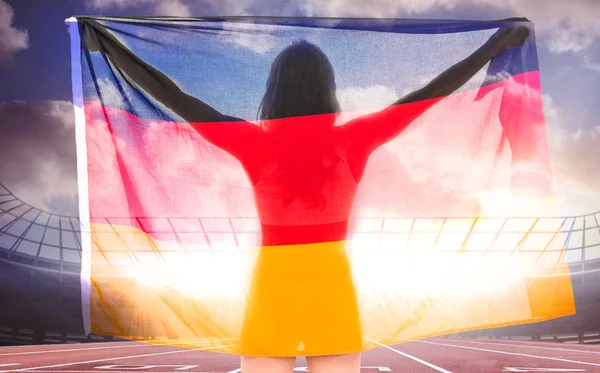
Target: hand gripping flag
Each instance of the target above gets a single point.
(299, 186)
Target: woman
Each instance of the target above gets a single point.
(305, 172)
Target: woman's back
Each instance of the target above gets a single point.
(332, 204)
(303, 178)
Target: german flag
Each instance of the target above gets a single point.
(312, 186)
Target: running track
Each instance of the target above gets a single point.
(446, 355)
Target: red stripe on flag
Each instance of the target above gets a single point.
(147, 168)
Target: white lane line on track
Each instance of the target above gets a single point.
(129, 345)
(439, 369)
(109, 359)
(513, 353)
(75, 349)
(87, 343)
(539, 347)
(526, 343)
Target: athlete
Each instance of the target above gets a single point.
(304, 171)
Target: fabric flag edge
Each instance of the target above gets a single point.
(82, 172)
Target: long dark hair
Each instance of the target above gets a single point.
(301, 83)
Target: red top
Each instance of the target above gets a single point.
(293, 142)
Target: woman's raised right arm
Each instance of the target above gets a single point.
(229, 133)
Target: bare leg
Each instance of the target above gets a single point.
(251, 364)
(347, 363)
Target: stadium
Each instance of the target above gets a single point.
(40, 262)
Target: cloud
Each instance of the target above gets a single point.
(159, 7)
(566, 39)
(246, 35)
(575, 156)
(570, 28)
(589, 64)
(357, 101)
(37, 149)
(152, 151)
(172, 8)
(576, 159)
(257, 38)
(366, 98)
(12, 40)
(376, 8)
(111, 95)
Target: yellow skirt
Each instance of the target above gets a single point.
(302, 301)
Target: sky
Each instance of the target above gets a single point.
(37, 141)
